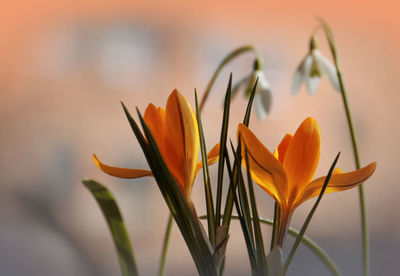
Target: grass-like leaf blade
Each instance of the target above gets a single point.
(275, 226)
(259, 242)
(244, 202)
(246, 119)
(309, 217)
(229, 199)
(207, 186)
(116, 224)
(222, 143)
(183, 214)
(246, 233)
(306, 241)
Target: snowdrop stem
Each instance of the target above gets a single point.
(363, 211)
(364, 222)
(232, 55)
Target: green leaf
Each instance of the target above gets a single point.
(206, 175)
(221, 241)
(116, 225)
(222, 149)
(307, 241)
(275, 227)
(244, 203)
(183, 213)
(246, 119)
(309, 217)
(256, 221)
(164, 251)
(229, 199)
(248, 237)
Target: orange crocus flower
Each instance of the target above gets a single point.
(176, 134)
(287, 174)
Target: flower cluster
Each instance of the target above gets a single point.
(171, 140)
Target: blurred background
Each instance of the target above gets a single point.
(65, 65)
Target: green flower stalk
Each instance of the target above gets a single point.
(363, 210)
(231, 56)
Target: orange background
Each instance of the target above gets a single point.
(65, 66)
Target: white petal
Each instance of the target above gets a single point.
(299, 76)
(328, 69)
(259, 108)
(262, 80)
(312, 84)
(266, 99)
(261, 84)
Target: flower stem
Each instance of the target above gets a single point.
(308, 242)
(164, 251)
(363, 211)
(275, 227)
(235, 53)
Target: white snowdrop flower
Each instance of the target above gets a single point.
(262, 97)
(311, 69)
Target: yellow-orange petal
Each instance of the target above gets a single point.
(265, 169)
(181, 140)
(120, 172)
(339, 182)
(302, 157)
(155, 120)
(281, 150)
(212, 157)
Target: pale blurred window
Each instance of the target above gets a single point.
(114, 54)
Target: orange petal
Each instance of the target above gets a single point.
(339, 182)
(181, 140)
(155, 120)
(281, 150)
(265, 169)
(212, 157)
(302, 157)
(120, 172)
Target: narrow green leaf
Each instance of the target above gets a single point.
(229, 199)
(139, 136)
(246, 232)
(275, 227)
(116, 224)
(221, 241)
(309, 217)
(256, 220)
(307, 241)
(244, 202)
(184, 216)
(246, 119)
(207, 187)
(189, 226)
(222, 144)
(164, 251)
